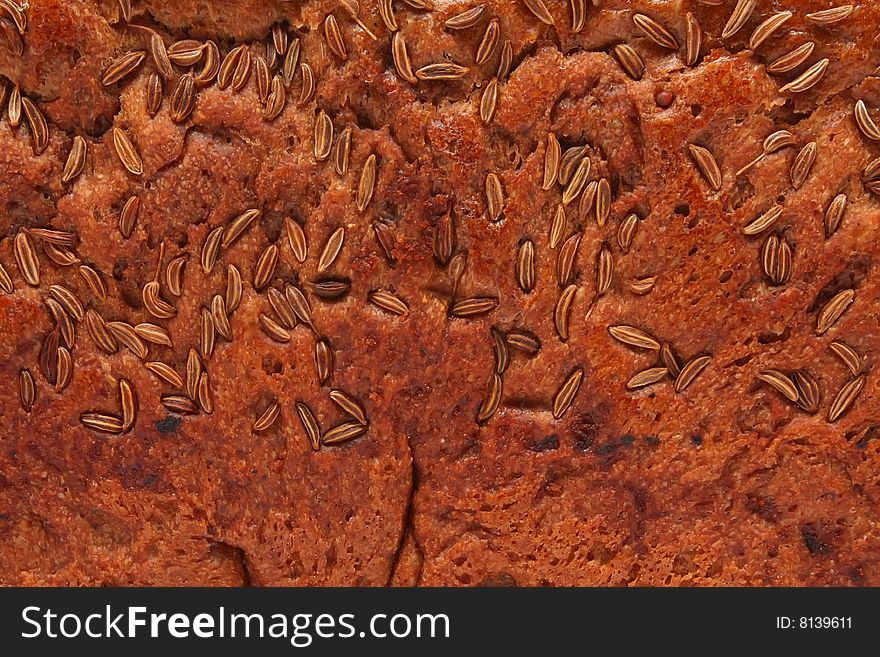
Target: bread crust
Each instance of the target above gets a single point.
(723, 483)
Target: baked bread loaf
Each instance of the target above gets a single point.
(436, 292)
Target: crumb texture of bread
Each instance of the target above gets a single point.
(525, 300)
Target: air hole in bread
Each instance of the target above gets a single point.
(769, 337)
(850, 278)
(272, 365)
(131, 296)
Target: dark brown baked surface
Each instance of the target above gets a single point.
(711, 477)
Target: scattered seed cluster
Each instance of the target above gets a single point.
(287, 308)
(277, 70)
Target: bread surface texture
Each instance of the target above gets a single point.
(525, 299)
